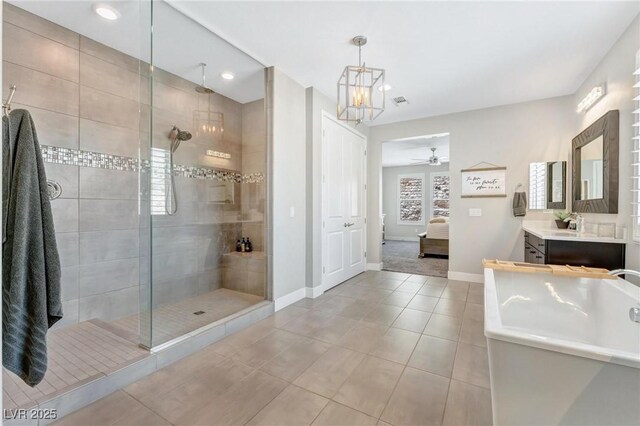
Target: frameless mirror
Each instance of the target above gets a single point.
(595, 166)
(547, 185)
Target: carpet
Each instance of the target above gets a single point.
(402, 256)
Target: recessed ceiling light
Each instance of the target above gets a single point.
(384, 88)
(105, 11)
(227, 76)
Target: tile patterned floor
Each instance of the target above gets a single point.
(174, 320)
(76, 355)
(381, 349)
(86, 351)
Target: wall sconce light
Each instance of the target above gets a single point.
(219, 154)
(592, 97)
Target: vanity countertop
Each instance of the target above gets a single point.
(548, 232)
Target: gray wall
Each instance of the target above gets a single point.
(514, 136)
(289, 185)
(393, 230)
(511, 136)
(616, 70)
(96, 222)
(87, 96)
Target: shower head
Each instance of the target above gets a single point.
(203, 87)
(205, 90)
(176, 135)
(183, 135)
(179, 135)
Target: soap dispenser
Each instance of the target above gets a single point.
(579, 224)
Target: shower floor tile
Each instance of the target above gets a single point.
(86, 351)
(77, 354)
(174, 320)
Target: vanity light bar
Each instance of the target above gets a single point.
(218, 154)
(592, 97)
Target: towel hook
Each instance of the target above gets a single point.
(518, 186)
(6, 105)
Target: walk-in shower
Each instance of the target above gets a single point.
(146, 222)
(214, 186)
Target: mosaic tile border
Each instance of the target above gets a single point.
(80, 158)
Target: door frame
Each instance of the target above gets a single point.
(323, 198)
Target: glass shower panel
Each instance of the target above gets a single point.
(86, 88)
(205, 178)
(145, 176)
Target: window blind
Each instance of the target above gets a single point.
(537, 186)
(159, 180)
(411, 199)
(440, 184)
(636, 152)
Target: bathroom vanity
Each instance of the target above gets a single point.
(545, 245)
(594, 189)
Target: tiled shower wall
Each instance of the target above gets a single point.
(86, 96)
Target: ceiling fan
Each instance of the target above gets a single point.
(434, 160)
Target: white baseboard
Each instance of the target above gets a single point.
(412, 239)
(313, 292)
(289, 299)
(464, 276)
(374, 266)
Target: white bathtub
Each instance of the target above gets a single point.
(562, 350)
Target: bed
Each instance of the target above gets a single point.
(435, 241)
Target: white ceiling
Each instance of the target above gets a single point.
(443, 56)
(179, 43)
(404, 152)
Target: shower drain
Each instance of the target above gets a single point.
(198, 313)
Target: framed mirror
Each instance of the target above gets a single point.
(557, 185)
(547, 185)
(595, 166)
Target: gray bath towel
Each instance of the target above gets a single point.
(519, 204)
(30, 263)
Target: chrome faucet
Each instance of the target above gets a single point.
(634, 313)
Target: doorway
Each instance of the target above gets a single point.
(415, 205)
(343, 202)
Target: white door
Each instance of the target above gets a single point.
(343, 203)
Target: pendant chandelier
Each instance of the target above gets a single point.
(208, 123)
(360, 90)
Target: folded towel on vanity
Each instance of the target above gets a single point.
(31, 299)
(519, 204)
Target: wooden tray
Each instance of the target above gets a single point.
(565, 270)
